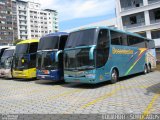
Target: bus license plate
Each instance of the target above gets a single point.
(45, 71)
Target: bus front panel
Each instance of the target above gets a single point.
(47, 67)
(24, 62)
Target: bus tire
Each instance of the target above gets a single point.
(145, 69)
(114, 76)
(149, 68)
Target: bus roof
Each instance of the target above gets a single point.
(28, 41)
(112, 28)
(11, 47)
(56, 34)
(6, 46)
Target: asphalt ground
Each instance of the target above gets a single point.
(136, 94)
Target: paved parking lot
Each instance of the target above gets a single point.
(138, 94)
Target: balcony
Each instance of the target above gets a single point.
(155, 34)
(23, 29)
(134, 25)
(24, 34)
(153, 1)
(22, 19)
(22, 10)
(129, 4)
(154, 16)
(134, 20)
(22, 14)
(23, 24)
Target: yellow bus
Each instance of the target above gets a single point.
(24, 62)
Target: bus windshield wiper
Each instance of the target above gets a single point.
(69, 46)
(81, 45)
(85, 68)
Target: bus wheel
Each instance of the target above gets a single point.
(149, 68)
(114, 76)
(145, 69)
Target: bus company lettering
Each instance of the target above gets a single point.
(121, 51)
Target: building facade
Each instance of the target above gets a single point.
(33, 22)
(6, 25)
(140, 16)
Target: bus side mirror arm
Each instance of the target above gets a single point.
(91, 53)
(57, 54)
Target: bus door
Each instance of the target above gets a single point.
(102, 53)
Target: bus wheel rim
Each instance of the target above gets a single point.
(145, 69)
(114, 75)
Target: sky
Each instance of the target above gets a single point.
(75, 13)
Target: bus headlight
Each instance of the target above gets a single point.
(22, 60)
(90, 76)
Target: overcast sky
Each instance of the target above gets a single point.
(74, 13)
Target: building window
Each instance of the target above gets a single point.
(157, 14)
(128, 4)
(133, 20)
(155, 34)
(154, 15)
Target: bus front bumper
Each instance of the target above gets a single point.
(29, 73)
(54, 75)
(87, 78)
(6, 73)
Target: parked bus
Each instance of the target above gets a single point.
(6, 62)
(98, 54)
(24, 62)
(2, 48)
(50, 56)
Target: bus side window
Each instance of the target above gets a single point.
(33, 47)
(118, 38)
(124, 40)
(62, 42)
(103, 40)
(2, 50)
(115, 38)
(136, 42)
(102, 51)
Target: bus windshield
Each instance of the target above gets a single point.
(49, 42)
(8, 53)
(22, 48)
(81, 38)
(46, 60)
(78, 60)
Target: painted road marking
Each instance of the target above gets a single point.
(63, 94)
(149, 107)
(109, 95)
(101, 98)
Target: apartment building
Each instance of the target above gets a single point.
(14, 21)
(140, 16)
(33, 22)
(6, 28)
